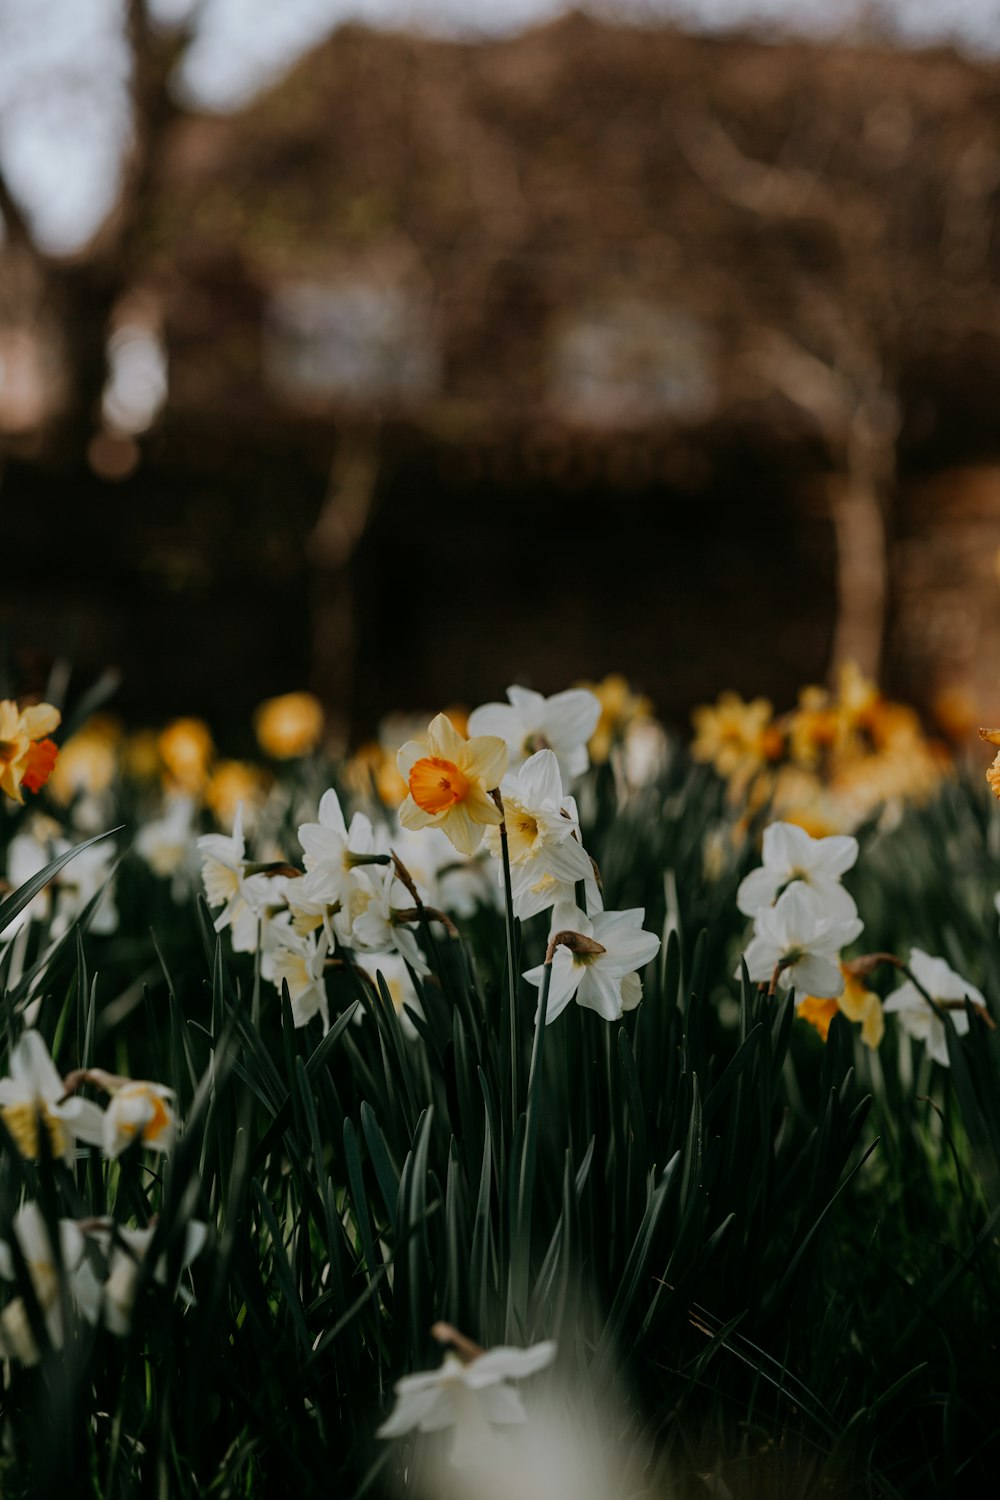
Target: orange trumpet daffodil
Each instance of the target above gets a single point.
(450, 779)
(26, 755)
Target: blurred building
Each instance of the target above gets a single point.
(444, 364)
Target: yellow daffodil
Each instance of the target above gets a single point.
(731, 733)
(858, 1004)
(372, 765)
(233, 782)
(450, 780)
(87, 762)
(186, 750)
(27, 756)
(289, 726)
(620, 708)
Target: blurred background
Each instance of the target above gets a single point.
(401, 351)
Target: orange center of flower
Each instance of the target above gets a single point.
(41, 759)
(437, 784)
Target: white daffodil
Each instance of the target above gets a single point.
(443, 877)
(139, 1110)
(791, 855)
(948, 989)
(530, 722)
(470, 1394)
(79, 882)
(334, 852)
(167, 845)
(375, 927)
(243, 898)
(27, 855)
(601, 971)
(36, 1248)
(35, 1091)
(113, 1299)
(534, 892)
(402, 991)
(802, 937)
(299, 962)
(543, 830)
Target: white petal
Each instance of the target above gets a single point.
(571, 718)
(758, 890)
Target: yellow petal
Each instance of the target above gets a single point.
(485, 757)
(40, 720)
(444, 739)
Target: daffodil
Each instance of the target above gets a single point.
(800, 939)
(375, 924)
(543, 829)
(139, 1111)
(530, 722)
(949, 991)
(289, 726)
(790, 856)
(112, 1301)
(595, 960)
(87, 762)
(300, 962)
(856, 1001)
(620, 710)
(42, 1263)
(243, 898)
(731, 733)
(334, 852)
(470, 1393)
(450, 780)
(167, 844)
(32, 1097)
(186, 750)
(27, 755)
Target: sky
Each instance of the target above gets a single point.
(64, 67)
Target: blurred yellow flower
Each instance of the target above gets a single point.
(27, 756)
(819, 1013)
(857, 1003)
(372, 765)
(861, 1004)
(289, 726)
(141, 755)
(731, 733)
(87, 762)
(233, 782)
(813, 727)
(620, 708)
(186, 750)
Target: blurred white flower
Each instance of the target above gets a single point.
(470, 1394)
(167, 845)
(32, 1235)
(944, 986)
(142, 1110)
(112, 1300)
(34, 1092)
(601, 973)
(804, 935)
(530, 722)
(792, 856)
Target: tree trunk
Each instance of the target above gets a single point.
(341, 524)
(859, 502)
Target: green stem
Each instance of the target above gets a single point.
(511, 970)
(526, 1186)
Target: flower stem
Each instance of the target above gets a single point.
(511, 969)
